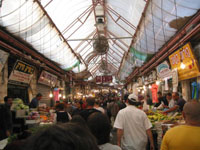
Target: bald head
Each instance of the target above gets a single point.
(192, 111)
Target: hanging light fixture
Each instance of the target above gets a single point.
(182, 65)
(50, 95)
(157, 82)
(142, 91)
(60, 95)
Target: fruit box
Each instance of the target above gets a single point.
(20, 113)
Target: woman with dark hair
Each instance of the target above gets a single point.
(69, 136)
(100, 127)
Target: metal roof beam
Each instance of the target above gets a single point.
(53, 24)
(118, 38)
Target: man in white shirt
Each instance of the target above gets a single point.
(170, 100)
(133, 127)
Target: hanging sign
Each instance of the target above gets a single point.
(185, 57)
(22, 72)
(98, 79)
(103, 79)
(163, 70)
(3, 59)
(47, 79)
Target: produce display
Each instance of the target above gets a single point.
(157, 116)
(33, 115)
(18, 104)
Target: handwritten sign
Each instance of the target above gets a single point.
(3, 59)
(185, 55)
(47, 79)
(22, 72)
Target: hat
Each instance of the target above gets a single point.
(132, 97)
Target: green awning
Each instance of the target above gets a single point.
(77, 64)
(140, 55)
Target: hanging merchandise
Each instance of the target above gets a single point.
(154, 90)
(195, 90)
(56, 94)
(175, 79)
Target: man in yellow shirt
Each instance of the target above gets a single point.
(185, 137)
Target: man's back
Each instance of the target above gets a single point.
(182, 137)
(134, 123)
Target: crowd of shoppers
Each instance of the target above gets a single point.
(96, 119)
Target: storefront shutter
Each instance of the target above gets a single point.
(45, 91)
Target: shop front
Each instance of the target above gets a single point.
(19, 80)
(187, 66)
(45, 85)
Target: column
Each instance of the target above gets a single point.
(4, 83)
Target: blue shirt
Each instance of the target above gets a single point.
(34, 103)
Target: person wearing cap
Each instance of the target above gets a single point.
(133, 127)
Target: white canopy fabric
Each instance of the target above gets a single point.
(162, 20)
(63, 30)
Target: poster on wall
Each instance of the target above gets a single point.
(185, 63)
(3, 59)
(22, 72)
(47, 78)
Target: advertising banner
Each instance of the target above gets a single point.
(22, 72)
(103, 79)
(184, 56)
(47, 79)
(163, 70)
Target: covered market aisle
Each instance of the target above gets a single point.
(59, 54)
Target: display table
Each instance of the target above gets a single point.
(3, 143)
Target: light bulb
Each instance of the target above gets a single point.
(60, 95)
(142, 92)
(50, 95)
(64, 97)
(157, 82)
(182, 65)
(149, 86)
